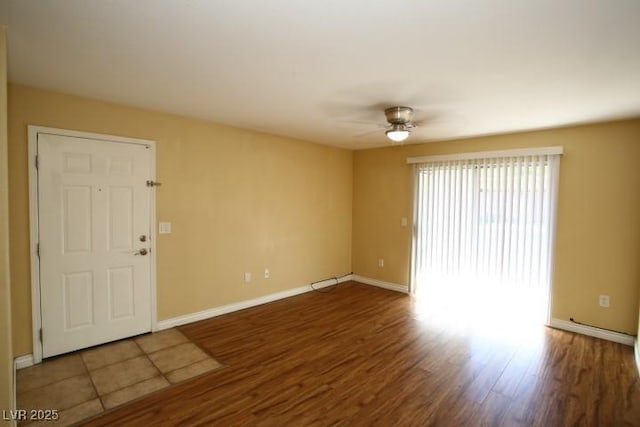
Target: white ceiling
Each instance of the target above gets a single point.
(310, 69)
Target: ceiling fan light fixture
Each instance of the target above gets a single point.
(397, 133)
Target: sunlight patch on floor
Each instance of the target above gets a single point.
(486, 308)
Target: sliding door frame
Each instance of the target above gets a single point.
(553, 214)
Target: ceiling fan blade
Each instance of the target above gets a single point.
(425, 119)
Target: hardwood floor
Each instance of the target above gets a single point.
(360, 355)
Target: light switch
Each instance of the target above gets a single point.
(164, 228)
(403, 221)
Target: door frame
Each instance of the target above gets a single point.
(36, 306)
(553, 213)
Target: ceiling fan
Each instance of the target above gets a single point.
(400, 120)
(400, 123)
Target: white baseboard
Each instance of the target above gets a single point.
(636, 353)
(21, 362)
(381, 284)
(591, 331)
(236, 306)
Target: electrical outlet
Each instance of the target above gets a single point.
(247, 277)
(380, 262)
(267, 273)
(604, 300)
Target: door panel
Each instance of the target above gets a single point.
(78, 300)
(93, 206)
(76, 219)
(121, 293)
(120, 213)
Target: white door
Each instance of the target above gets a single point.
(94, 227)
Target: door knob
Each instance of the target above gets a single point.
(142, 252)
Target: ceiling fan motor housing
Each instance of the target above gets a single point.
(399, 115)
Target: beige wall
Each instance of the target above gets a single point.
(237, 200)
(6, 352)
(244, 201)
(598, 229)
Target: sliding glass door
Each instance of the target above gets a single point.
(484, 228)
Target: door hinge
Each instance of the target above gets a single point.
(37, 163)
(38, 249)
(153, 183)
(40, 334)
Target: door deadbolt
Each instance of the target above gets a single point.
(143, 238)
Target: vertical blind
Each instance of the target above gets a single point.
(486, 219)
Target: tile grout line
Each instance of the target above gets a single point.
(188, 341)
(143, 354)
(49, 383)
(171, 346)
(93, 384)
(83, 374)
(119, 361)
(152, 364)
(207, 357)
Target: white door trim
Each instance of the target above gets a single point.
(33, 131)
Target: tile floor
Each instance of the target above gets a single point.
(85, 383)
